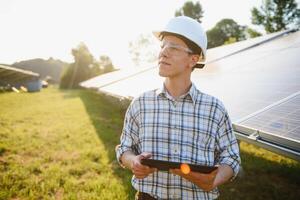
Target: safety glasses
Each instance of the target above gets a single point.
(174, 49)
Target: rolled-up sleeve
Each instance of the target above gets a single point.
(129, 136)
(227, 145)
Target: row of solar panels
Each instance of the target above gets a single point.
(250, 77)
(11, 77)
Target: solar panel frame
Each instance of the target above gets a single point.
(243, 125)
(257, 141)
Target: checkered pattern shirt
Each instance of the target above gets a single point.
(195, 128)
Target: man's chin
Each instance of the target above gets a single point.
(162, 74)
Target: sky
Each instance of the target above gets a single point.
(51, 28)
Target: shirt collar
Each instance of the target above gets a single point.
(193, 93)
(162, 91)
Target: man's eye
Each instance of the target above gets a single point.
(172, 48)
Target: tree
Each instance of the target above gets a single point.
(225, 30)
(215, 38)
(106, 64)
(276, 15)
(230, 40)
(251, 33)
(84, 67)
(143, 49)
(80, 70)
(191, 10)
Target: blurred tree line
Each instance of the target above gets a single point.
(143, 50)
(226, 31)
(273, 16)
(85, 66)
(277, 15)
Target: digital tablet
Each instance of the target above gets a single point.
(166, 165)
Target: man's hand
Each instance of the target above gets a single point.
(204, 181)
(141, 171)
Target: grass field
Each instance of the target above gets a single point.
(59, 144)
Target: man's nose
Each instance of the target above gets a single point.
(163, 52)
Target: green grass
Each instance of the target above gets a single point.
(59, 144)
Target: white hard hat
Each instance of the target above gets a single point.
(188, 28)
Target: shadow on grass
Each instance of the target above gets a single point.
(107, 116)
(263, 179)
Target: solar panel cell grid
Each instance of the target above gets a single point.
(282, 119)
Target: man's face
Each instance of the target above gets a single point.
(174, 58)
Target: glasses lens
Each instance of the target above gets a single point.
(174, 49)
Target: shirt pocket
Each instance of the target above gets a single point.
(202, 147)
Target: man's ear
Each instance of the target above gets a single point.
(194, 60)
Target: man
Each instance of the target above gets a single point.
(178, 123)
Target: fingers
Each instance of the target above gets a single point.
(204, 181)
(138, 168)
(140, 174)
(215, 171)
(146, 155)
(196, 176)
(141, 171)
(176, 171)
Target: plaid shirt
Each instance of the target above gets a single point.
(195, 128)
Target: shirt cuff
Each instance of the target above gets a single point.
(234, 164)
(119, 152)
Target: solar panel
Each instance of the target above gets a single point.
(278, 123)
(221, 52)
(134, 85)
(253, 79)
(112, 77)
(12, 74)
